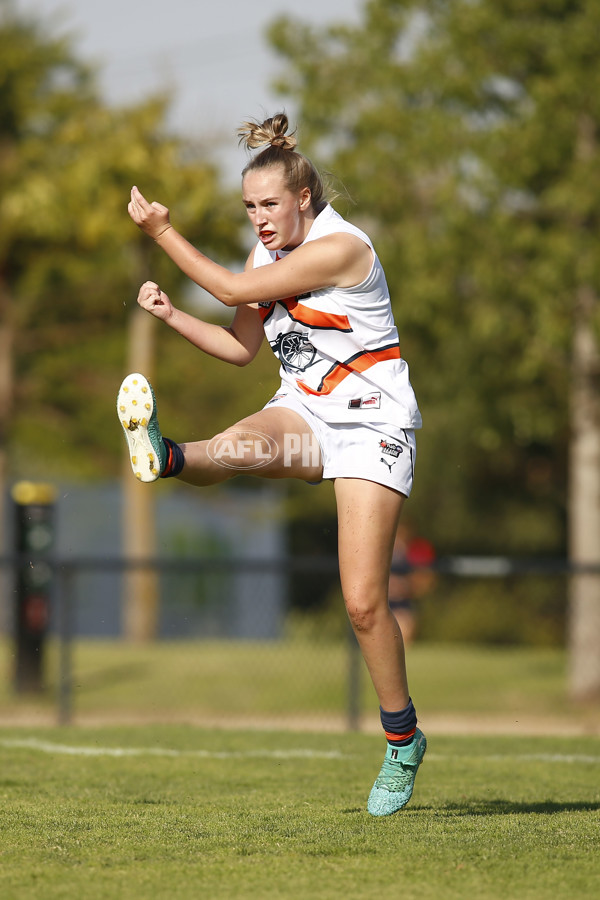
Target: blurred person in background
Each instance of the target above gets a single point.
(411, 577)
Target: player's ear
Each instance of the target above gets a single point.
(305, 198)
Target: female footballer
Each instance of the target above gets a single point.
(345, 410)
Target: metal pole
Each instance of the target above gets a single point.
(354, 660)
(65, 631)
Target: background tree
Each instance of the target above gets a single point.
(71, 261)
(466, 132)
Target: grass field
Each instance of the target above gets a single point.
(179, 812)
(170, 808)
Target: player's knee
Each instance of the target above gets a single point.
(362, 613)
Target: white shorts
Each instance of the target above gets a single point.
(375, 451)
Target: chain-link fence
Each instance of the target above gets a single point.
(233, 645)
(227, 643)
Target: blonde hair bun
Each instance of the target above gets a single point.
(270, 133)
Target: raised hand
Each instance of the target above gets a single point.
(152, 218)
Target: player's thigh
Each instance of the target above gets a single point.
(368, 515)
(295, 448)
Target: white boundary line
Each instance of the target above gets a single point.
(550, 757)
(120, 752)
(68, 750)
(563, 758)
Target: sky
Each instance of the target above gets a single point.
(212, 55)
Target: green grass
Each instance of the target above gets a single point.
(189, 813)
(163, 810)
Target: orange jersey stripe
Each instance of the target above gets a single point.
(316, 318)
(305, 315)
(359, 363)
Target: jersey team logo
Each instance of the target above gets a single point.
(294, 350)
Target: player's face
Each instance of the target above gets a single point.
(277, 215)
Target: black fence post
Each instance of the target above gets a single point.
(34, 538)
(354, 663)
(65, 637)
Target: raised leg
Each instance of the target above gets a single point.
(272, 443)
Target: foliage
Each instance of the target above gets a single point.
(71, 260)
(466, 134)
(524, 610)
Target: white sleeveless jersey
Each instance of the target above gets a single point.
(338, 347)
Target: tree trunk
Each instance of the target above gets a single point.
(584, 503)
(6, 405)
(140, 586)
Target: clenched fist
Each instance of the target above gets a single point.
(155, 301)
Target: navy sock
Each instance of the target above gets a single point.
(399, 726)
(175, 459)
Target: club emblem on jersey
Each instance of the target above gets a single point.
(294, 350)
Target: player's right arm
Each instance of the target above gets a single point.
(237, 343)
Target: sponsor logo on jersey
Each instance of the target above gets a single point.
(390, 449)
(368, 401)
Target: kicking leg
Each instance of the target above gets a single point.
(272, 443)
